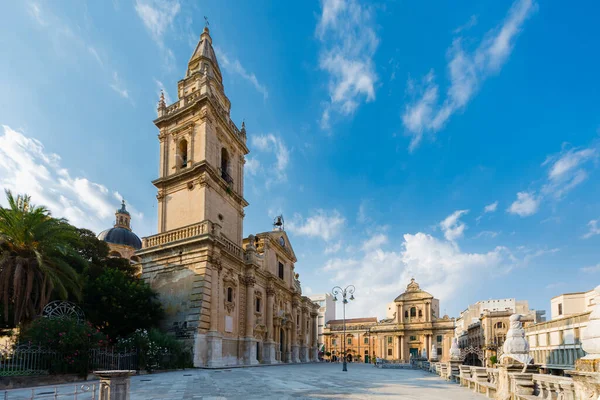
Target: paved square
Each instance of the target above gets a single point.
(300, 381)
(307, 381)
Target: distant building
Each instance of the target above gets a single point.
(326, 313)
(484, 325)
(556, 344)
(413, 330)
(360, 340)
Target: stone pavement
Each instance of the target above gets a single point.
(301, 381)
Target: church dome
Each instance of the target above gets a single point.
(123, 236)
(121, 233)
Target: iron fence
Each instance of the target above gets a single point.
(32, 359)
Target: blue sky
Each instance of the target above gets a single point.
(457, 143)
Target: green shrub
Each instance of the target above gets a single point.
(494, 360)
(157, 350)
(68, 338)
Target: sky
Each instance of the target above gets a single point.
(454, 142)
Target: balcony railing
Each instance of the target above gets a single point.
(226, 177)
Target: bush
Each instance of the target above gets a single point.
(494, 360)
(157, 350)
(70, 339)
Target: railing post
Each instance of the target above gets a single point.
(114, 385)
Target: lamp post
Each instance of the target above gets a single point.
(348, 290)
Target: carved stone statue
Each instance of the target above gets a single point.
(433, 352)
(516, 346)
(454, 350)
(590, 338)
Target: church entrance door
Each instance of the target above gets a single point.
(414, 353)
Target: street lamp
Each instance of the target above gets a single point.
(348, 290)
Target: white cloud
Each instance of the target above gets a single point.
(374, 242)
(158, 16)
(252, 166)
(566, 170)
(348, 41)
(591, 269)
(491, 207)
(526, 204)
(452, 227)
(323, 224)
(117, 86)
(234, 66)
(468, 25)
(467, 70)
(489, 234)
(333, 248)
(439, 266)
(269, 143)
(39, 174)
(594, 229)
(36, 12)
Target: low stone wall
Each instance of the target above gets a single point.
(17, 382)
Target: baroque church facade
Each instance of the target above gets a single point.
(233, 300)
(415, 330)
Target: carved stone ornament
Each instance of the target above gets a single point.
(217, 264)
(454, 350)
(229, 277)
(413, 286)
(590, 338)
(248, 280)
(160, 195)
(516, 346)
(433, 351)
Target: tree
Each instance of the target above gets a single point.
(119, 303)
(38, 259)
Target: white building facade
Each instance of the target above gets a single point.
(326, 313)
(556, 344)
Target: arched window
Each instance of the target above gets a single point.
(406, 314)
(420, 313)
(413, 312)
(225, 165)
(229, 294)
(182, 153)
(114, 254)
(499, 325)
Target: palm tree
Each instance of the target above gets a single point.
(35, 255)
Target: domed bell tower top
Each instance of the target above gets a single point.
(122, 217)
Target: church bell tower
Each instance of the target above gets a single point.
(201, 167)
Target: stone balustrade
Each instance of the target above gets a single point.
(522, 386)
(201, 228)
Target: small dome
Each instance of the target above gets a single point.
(121, 236)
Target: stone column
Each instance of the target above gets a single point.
(427, 312)
(295, 327)
(114, 385)
(288, 344)
(303, 341)
(269, 346)
(315, 336)
(250, 351)
(402, 347)
(214, 339)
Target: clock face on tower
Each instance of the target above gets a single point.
(282, 241)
